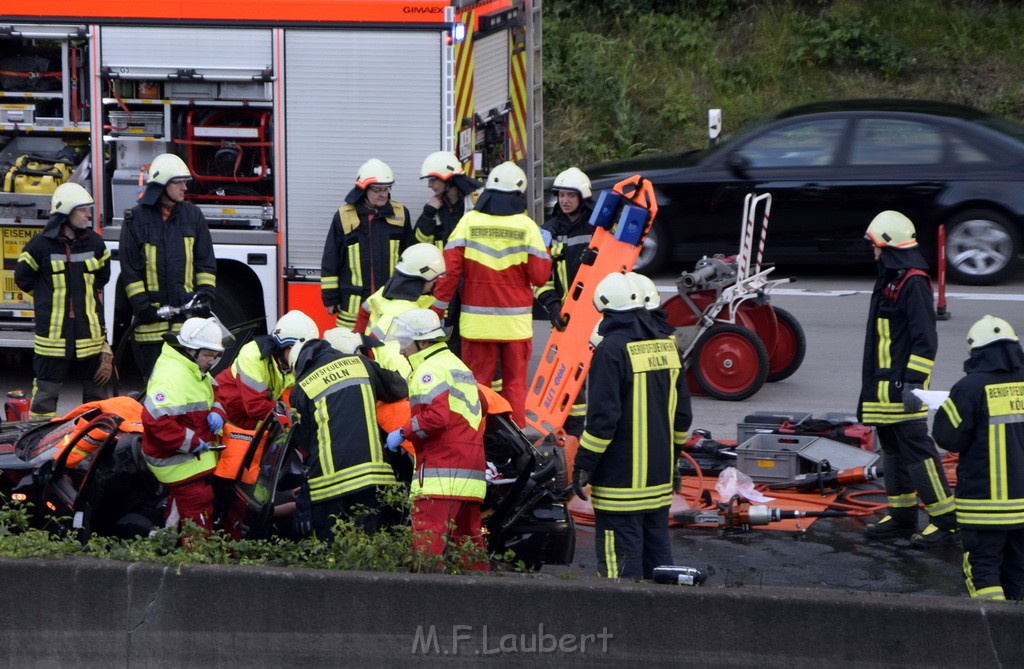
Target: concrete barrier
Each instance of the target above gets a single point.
(80, 612)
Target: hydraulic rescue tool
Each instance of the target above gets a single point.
(830, 480)
(737, 514)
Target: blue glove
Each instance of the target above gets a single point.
(395, 439)
(215, 421)
(202, 447)
(546, 236)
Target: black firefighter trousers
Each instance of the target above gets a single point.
(631, 545)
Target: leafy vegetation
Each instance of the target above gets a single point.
(389, 550)
(627, 77)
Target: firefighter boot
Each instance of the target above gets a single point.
(941, 530)
(896, 522)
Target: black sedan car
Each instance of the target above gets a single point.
(831, 167)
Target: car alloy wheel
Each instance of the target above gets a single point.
(981, 248)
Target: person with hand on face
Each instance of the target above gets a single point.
(65, 268)
(167, 258)
(899, 353)
(983, 421)
(366, 236)
(181, 419)
(447, 431)
(637, 420)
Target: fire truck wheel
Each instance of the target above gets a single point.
(729, 362)
(790, 347)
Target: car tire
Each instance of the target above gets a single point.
(981, 247)
(655, 252)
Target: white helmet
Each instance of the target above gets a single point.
(422, 260)
(506, 178)
(166, 167)
(293, 327)
(415, 325)
(595, 336)
(68, 197)
(648, 291)
(343, 340)
(202, 333)
(891, 228)
(441, 164)
(574, 180)
(293, 353)
(374, 171)
(617, 293)
(988, 330)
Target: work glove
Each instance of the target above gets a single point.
(677, 481)
(148, 315)
(215, 421)
(580, 480)
(202, 306)
(558, 321)
(302, 521)
(911, 402)
(395, 439)
(546, 236)
(105, 370)
(201, 447)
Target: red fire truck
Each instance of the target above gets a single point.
(273, 105)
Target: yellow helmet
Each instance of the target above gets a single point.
(167, 167)
(891, 228)
(441, 164)
(374, 171)
(68, 197)
(988, 330)
(506, 178)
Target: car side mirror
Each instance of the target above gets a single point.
(739, 165)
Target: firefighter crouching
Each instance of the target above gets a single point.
(65, 268)
(181, 420)
(638, 415)
(498, 253)
(983, 421)
(166, 257)
(334, 400)
(447, 430)
(899, 353)
(366, 236)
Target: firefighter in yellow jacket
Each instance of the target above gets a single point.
(64, 268)
(366, 236)
(637, 419)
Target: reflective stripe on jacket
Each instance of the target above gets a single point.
(252, 385)
(166, 262)
(65, 278)
(174, 417)
(500, 259)
(383, 311)
(447, 426)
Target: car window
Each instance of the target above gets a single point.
(798, 145)
(964, 152)
(893, 142)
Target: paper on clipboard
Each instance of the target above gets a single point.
(933, 398)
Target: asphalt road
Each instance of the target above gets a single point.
(832, 553)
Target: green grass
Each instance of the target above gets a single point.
(627, 78)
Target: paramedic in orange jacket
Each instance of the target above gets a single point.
(500, 256)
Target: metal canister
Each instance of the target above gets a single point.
(17, 406)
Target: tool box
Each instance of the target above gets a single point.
(766, 422)
(771, 458)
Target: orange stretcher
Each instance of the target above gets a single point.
(621, 220)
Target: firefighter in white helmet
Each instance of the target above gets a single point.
(69, 328)
(166, 257)
(446, 428)
(453, 192)
(899, 353)
(181, 419)
(499, 255)
(367, 234)
(637, 419)
(983, 421)
(334, 399)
